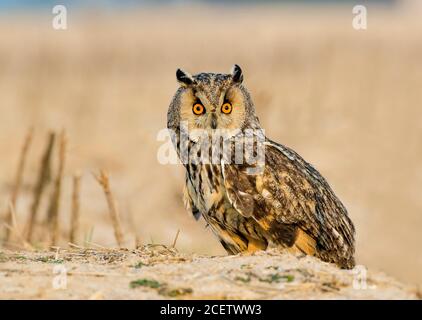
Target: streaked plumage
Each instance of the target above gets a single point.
(287, 205)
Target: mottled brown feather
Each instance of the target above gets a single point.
(291, 195)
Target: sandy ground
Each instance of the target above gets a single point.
(159, 272)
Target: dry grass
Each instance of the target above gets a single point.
(54, 206)
(18, 180)
(74, 225)
(104, 181)
(348, 101)
(43, 179)
(175, 239)
(13, 229)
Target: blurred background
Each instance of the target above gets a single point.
(349, 101)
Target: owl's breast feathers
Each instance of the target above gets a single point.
(288, 204)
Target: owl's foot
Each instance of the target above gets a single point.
(253, 246)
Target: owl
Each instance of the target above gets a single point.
(281, 201)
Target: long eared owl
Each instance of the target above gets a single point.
(283, 203)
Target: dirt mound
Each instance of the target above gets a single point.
(159, 272)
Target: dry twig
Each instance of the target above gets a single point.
(53, 210)
(74, 223)
(14, 229)
(103, 180)
(175, 239)
(18, 178)
(43, 179)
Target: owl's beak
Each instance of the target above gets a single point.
(213, 121)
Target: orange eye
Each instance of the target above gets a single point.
(198, 109)
(226, 108)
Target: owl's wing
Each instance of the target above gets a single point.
(292, 202)
(188, 193)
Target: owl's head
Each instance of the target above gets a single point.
(212, 101)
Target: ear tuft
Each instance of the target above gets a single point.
(183, 77)
(237, 74)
